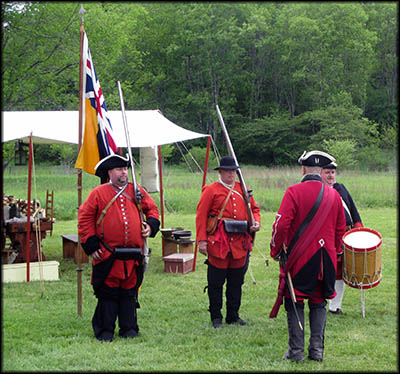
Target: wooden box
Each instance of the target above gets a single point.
(70, 248)
(169, 246)
(186, 246)
(46, 270)
(178, 263)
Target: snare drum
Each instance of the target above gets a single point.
(362, 258)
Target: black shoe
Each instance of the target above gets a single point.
(129, 334)
(286, 357)
(315, 358)
(239, 321)
(217, 323)
(105, 337)
(337, 311)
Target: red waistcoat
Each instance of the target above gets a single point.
(120, 226)
(210, 204)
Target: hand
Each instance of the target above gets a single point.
(255, 227)
(277, 257)
(97, 255)
(202, 244)
(146, 230)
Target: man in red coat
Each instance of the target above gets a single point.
(227, 252)
(109, 218)
(312, 254)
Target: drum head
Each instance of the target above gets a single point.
(362, 238)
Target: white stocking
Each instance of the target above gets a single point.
(336, 302)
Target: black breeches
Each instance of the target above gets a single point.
(234, 280)
(113, 303)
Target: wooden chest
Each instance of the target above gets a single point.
(178, 263)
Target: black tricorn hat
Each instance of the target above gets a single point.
(332, 165)
(227, 162)
(315, 158)
(108, 163)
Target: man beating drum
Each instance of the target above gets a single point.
(353, 220)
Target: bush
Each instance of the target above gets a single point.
(342, 150)
(374, 158)
(199, 154)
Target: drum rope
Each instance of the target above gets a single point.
(353, 267)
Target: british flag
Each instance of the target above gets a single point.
(98, 139)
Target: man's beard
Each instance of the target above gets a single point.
(122, 180)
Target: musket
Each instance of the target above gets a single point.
(137, 194)
(246, 192)
(283, 261)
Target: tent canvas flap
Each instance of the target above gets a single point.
(147, 128)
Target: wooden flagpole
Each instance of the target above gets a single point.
(81, 103)
(28, 213)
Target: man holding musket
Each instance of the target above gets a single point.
(223, 234)
(112, 232)
(306, 238)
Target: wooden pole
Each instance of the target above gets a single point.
(161, 186)
(161, 195)
(79, 187)
(28, 213)
(203, 184)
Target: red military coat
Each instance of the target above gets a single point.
(317, 261)
(210, 204)
(120, 227)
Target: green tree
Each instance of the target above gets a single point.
(383, 84)
(40, 56)
(324, 49)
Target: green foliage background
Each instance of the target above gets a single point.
(286, 76)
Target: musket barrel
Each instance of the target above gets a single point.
(239, 172)
(128, 142)
(136, 190)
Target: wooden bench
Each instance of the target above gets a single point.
(70, 248)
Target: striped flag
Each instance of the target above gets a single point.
(97, 138)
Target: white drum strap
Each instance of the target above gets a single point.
(347, 210)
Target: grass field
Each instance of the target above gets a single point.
(182, 188)
(43, 333)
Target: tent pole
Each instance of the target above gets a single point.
(161, 186)
(161, 194)
(28, 213)
(203, 184)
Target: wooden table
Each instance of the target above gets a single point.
(17, 233)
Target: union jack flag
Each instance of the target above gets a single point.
(98, 139)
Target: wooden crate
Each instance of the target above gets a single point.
(46, 270)
(178, 263)
(169, 246)
(186, 246)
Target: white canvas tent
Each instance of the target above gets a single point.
(147, 128)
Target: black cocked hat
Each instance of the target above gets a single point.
(227, 162)
(332, 165)
(108, 163)
(315, 158)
